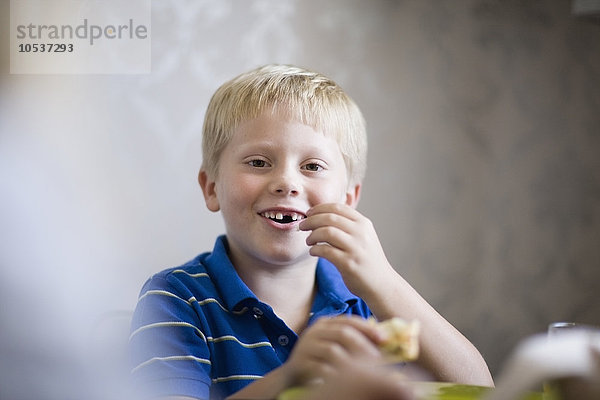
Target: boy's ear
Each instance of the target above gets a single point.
(353, 195)
(209, 190)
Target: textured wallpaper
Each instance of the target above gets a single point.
(484, 153)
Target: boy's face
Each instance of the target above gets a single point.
(271, 172)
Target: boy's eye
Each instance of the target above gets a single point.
(313, 167)
(258, 163)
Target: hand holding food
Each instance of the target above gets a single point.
(402, 339)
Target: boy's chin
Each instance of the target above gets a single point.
(272, 250)
(289, 256)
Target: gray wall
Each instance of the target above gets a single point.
(484, 169)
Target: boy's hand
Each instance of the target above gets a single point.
(347, 239)
(329, 345)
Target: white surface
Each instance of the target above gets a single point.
(539, 358)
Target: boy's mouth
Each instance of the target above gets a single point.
(283, 217)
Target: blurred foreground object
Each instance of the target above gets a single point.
(568, 365)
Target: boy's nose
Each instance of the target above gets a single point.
(287, 190)
(285, 183)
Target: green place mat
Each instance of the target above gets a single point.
(453, 391)
(429, 391)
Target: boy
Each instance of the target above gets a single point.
(284, 155)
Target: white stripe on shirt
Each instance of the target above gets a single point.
(197, 275)
(161, 293)
(188, 301)
(206, 339)
(236, 378)
(206, 301)
(171, 358)
(233, 338)
(167, 324)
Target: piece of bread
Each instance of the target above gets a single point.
(402, 343)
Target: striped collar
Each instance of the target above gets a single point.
(234, 292)
(236, 295)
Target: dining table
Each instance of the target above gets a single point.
(429, 390)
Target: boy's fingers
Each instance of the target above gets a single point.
(334, 208)
(332, 339)
(318, 220)
(366, 327)
(333, 254)
(330, 235)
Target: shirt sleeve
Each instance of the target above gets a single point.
(168, 348)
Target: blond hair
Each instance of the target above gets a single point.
(303, 95)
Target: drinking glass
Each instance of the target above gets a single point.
(565, 387)
(558, 328)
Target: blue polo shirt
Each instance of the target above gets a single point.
(199, 331)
